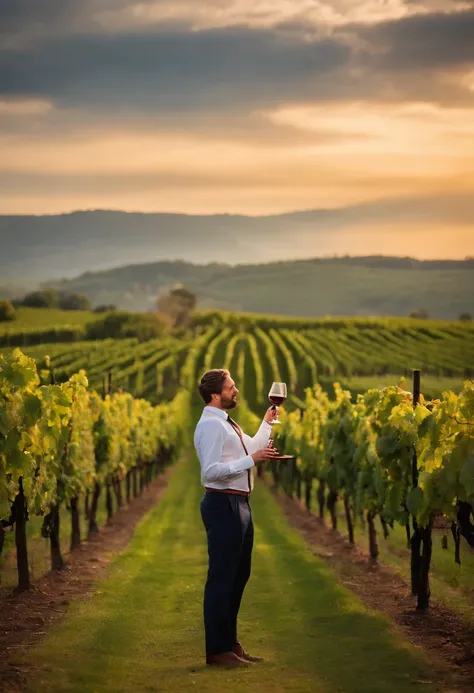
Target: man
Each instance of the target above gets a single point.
(227, 456)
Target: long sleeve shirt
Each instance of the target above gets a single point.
(224, 463)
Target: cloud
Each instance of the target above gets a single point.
(439, 40)
(24, 21)
(299, 102)
(23, 107)
(101, 183)
(19, 14)
(33, 18)
(234, 70)
(171, 70)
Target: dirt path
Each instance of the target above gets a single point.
(440, 632)
(27, 617)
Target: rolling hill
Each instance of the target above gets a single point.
(36, 248)
(232, 262)
(317, 287)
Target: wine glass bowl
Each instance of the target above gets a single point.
(277, 395)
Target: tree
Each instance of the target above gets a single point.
(420, 314)
(74, 301)
(7, 311)
(46, 298)
(465, 317)
(177, 305)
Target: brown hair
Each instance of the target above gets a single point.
(212, 382)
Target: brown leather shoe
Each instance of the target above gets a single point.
(242, 654)
(227, 659)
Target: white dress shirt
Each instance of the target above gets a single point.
(221, 454)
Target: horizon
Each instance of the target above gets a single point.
(284, 260)
(257, 215)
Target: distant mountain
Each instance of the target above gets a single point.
(315, 287)
(35, 248)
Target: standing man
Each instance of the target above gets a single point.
(227, 456)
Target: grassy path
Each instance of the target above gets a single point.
(142, 629)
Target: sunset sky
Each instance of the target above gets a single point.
(244, 106)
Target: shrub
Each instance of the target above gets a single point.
(420, 314)
(121, 324)
(74, 302)
(46, 298)
(106, 308)
(7, 311)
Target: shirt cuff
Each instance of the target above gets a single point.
(266, 425)
(243, 464)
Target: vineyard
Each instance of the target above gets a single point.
(62, 443)
(84, 422)
(391, 455)
(358, 353)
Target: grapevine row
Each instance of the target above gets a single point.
(66, 444)
(389, 455)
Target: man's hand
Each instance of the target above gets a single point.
(271, 415)
(267, 453)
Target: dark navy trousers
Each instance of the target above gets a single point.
(229, 527)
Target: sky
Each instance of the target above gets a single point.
(245, 106)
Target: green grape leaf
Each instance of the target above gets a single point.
(386, 445)
(10, 444)
(18, 463)
(32, 408)
(415, 499)
(4, 422)
(395, 497)
(20, 376)
(425, 425)
(466, 476)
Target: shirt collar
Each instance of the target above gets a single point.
(215, 410)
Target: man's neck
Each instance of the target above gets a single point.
(218, 408)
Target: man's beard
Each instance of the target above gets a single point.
(228, 403)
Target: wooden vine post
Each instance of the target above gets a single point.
(21, 518)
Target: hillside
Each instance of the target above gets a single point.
(36, 248)
(345, 286)
(30, 319)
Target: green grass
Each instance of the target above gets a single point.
(142, 629)
(35, 318)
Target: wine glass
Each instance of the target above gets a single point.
(277, 396)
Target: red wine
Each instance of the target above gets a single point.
(277, 399)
